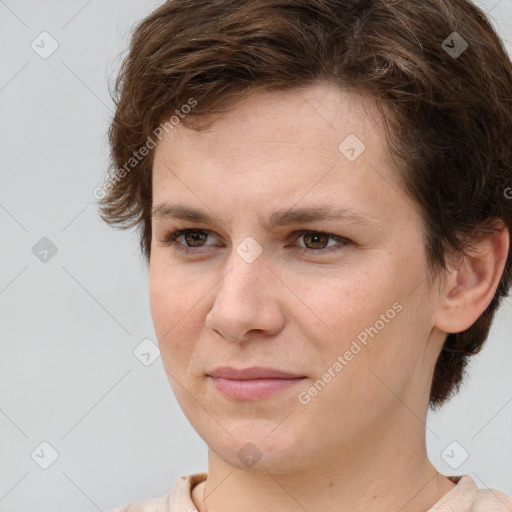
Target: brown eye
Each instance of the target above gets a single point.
(192, 238)
(317, 240)
(316, 243)
(195, 238)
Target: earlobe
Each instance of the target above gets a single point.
(471, 284)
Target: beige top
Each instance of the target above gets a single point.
(464, 497)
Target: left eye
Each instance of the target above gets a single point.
(316, 238)
(197, 238)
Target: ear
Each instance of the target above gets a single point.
(470, 285)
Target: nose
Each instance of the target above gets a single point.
(246, 299)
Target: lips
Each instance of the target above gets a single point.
(254, 372)
(254, 383)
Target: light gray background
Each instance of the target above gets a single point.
(68, 328)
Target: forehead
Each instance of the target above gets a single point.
(298, 117)
(310, 144)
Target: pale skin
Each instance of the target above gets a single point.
(360, 442)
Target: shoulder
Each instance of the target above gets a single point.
(467, 497)
(150, 505)
(492, 500)
(178, 499)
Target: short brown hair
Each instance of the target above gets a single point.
(447, 108)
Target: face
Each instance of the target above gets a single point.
(266, 278)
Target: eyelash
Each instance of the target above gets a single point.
(170, 240)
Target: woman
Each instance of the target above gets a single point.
(321, 188)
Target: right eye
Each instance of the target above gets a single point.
(192, 236)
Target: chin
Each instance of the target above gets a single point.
(257, 448)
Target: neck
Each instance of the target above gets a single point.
(381, 472)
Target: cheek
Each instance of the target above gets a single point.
(176, 309)
(160, 301)
(367, 320)
(170, 294)
(381, 352)
(340, 308)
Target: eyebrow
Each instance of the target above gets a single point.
(276, 219)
